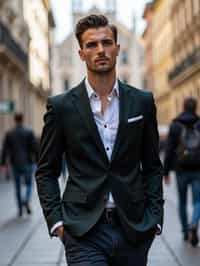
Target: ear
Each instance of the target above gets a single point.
(118, 49)
(81, 55)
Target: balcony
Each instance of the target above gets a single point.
(11, 46)
(188, 63)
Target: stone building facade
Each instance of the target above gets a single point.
(148, 44)
(14, 41)
(176, 55)
(24, 75)
(38, 16)
(162, 58)
(184, 76)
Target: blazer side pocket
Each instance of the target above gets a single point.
(75, 196)
(136, 205)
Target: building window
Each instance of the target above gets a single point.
(124, 57)
(1, 86)
(177, 105)
(125, 79)
(188, 11)
(196, 7)
(183, 17)
(198, 92)
(175, 26)
(66, 85)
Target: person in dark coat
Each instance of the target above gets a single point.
(186, 175)
(20, 150)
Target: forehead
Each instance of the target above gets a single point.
(96, 34)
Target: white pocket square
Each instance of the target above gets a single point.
(136, 118)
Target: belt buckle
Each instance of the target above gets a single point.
(109, 215)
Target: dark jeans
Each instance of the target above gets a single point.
(23, 175)
(184, 180)
(104, 245)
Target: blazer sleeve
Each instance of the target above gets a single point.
(151, 165)
(49, 165)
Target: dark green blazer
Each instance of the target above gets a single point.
(134, 174)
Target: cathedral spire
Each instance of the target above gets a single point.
(77, 6)
(111, 7)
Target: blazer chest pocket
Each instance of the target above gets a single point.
(134, 126)
(136, 205)
(135, 123)
(134, 132)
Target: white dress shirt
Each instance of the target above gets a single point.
(107, 122)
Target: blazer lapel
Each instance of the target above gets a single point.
(124, 107)
(82, 103)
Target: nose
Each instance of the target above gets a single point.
(100, 48)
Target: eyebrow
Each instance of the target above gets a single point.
(102, 40)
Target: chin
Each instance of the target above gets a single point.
(103, 69)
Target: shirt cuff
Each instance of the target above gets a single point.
(158, 229)
(55, 226)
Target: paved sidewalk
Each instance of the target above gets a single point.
(26, 242)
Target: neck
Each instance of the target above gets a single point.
(102, 84)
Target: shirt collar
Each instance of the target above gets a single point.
(91, 92)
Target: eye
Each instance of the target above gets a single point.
(107, 42)
(91, 44)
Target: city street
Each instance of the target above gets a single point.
(25, 242)
(90, 82)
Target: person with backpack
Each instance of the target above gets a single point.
(182, 154)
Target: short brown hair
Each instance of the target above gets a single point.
(18, 117)
(91, 22)
(190, 104)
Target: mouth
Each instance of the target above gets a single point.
(101, 60)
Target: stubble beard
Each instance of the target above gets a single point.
(102, 71)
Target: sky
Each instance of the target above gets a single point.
(125, 10)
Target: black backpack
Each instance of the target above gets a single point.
(188, 149)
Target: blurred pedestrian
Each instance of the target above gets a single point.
(112, 206)
(20, 150)
(183, 156)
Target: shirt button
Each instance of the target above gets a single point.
(105, 126)
(107, 149)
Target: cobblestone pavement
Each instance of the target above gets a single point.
(25, 241)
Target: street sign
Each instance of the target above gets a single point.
(7, 106)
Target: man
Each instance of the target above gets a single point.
(112, 204)
(20, 150)
(183, 156)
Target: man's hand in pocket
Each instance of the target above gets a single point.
(59, 232)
